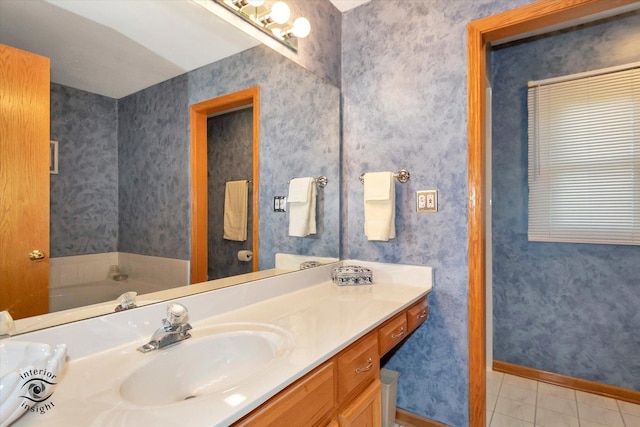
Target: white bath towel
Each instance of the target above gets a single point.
(236, 202)
(302, 207)
(379, 206)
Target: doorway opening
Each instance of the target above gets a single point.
(517, 23)
(199, 115)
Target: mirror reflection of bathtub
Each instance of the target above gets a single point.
(82, 294)
(153, 279)
(77, 281)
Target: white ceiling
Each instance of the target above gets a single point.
(344, 5)
(115, 48)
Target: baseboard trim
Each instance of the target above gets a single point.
(601, 389)
(409, 419)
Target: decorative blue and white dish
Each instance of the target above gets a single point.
(351, 275)
(309, 264)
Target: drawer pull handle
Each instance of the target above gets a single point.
(366, 368)
(422, 315)
(399, 334)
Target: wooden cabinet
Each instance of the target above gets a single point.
(365, 410)
(417, 314)
(305, 403)
(392, 332)
(358, 366)
(346, 390)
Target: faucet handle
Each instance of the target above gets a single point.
(177, 314)
(127, 301)
(7, 326)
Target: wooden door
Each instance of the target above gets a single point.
(24, 181)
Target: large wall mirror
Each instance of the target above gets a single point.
(123, 79)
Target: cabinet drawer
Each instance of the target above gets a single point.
(392, 332)
(305, 403)
(358, 365)
(417, 314)
(365, 410)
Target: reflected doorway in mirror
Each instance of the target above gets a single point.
(199, 114)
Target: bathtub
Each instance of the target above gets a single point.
(82, 294)
(82, 280)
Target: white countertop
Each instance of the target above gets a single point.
(321, 317)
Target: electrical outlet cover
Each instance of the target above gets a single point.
(427, 201)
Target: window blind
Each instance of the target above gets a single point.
(584, 159)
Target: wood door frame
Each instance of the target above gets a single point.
(532, 17)
(198, 114)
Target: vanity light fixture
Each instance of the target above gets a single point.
(272, 18)
(280, 13)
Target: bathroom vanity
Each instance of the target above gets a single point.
(345, 390)
(289, 350)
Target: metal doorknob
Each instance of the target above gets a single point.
(35, 255)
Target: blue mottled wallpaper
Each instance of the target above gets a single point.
(565, 308)
(230, 158)
(404, 93)
(84, 193)
(153, 165)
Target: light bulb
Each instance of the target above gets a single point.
(301, 28)
(255, 3)
(280, 12)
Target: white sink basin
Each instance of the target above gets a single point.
(215, 360)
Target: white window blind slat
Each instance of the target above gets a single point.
(584, 159)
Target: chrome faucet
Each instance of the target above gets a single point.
(175, 328)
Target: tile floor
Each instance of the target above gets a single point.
(514, 402)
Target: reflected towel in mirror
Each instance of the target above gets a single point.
(236, 203)
(302, 207)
